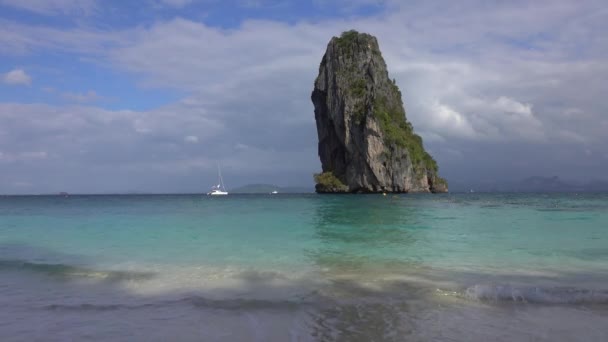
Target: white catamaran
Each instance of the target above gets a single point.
(218, 190)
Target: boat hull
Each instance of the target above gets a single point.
(217, 193)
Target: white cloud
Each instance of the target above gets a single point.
(48, 7)
(503, 119)
(22, 184)
(450, 122)
(17, 77)
(20, 39)
(78, 132)
(191, 139)
(89, 96)
(23, 156)
(508, 105)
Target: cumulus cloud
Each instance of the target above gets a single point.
(446, 119)
(17, 77)
(134, 149)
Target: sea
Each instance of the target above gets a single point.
(304, 267)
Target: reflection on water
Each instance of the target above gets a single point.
(358, 239)
(359, 232)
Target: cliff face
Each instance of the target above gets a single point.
(365, 142)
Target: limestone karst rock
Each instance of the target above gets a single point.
(366, 143)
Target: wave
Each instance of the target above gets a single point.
(70, 271)
(535, 295)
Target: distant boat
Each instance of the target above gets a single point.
(218, 190)
(274, 192)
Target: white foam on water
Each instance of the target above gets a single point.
(219, 282)
(536, 295)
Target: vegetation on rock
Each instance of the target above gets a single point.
(397, 130)
(329, 182)
(391, 116)
(347, 39)
(439, 184)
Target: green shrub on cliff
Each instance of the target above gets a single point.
(397, 130)
(328, 181)
(358, 87)
(347, 38)
(440, 183)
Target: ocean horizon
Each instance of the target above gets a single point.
(304, 267)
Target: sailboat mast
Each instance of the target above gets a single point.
(219, 172)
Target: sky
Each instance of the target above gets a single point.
(107, 96)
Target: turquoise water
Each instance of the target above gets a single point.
(305, 267)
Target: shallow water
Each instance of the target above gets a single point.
(454, 267)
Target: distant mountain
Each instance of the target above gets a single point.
(296, 190)
(531, 184)
(268, 188)
(598, 185)
(255, 189)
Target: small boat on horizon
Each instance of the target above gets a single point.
(219, 189)
(274, 192)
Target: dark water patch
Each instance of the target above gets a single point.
(589, 254)
(64, 271)
(228, 304)
(94, 307)
(585, 254)
(445, 218)
(491, 206)
(246, 304)
(362, 322)
(563, 209)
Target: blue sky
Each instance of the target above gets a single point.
(119, 96)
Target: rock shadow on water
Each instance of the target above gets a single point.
(355, 234)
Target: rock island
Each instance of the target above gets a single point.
(366, 144)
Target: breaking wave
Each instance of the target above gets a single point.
(536, 295)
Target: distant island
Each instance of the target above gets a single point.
(531, 184)
(268, 188)
(366, 144)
